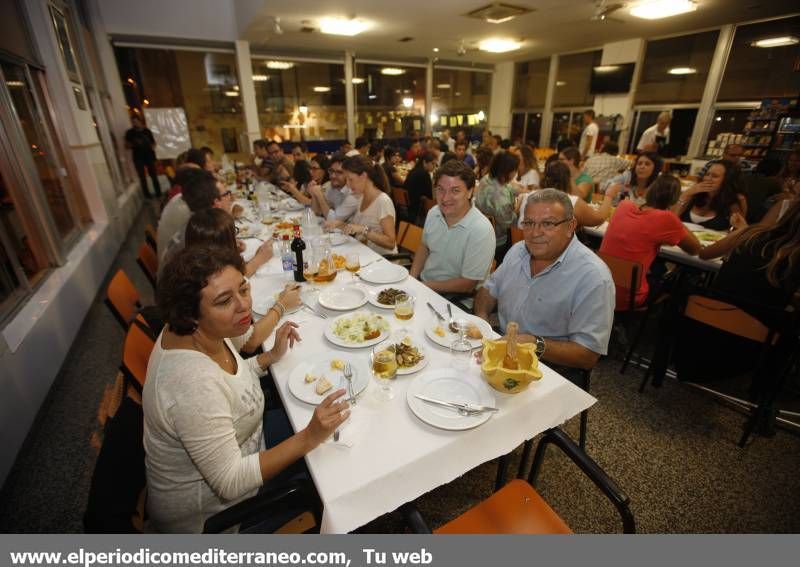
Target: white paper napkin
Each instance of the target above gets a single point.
(353, 430)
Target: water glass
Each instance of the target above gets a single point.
(403, 306)
(461, 348)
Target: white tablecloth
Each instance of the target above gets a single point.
(396, 457)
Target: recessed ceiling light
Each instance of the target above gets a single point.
(15, 84)
(342, 26)
(357, 80)
(781, 41)
(231, 93)
(283, 65)
(682, 71)
(392, 71)
(561, 83)
(498, 45)
(443, 86)
(322, 89)
(260, 78)
(436, 50)
(372, 96)
(606, 68)
(657, 9)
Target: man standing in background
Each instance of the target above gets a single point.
(655, 138)
(141, 142)
(589, 135)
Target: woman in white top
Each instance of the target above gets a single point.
(203, 404)
(373, 222)
(528, 172)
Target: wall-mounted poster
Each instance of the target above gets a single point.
(61, 26)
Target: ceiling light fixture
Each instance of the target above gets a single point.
(606, 68)
(480, 116)
(282, 65)
(260, 78)
(682, 71)
(322, 89)
(408, 102)
(434, 118)
(436, 50)
(443, 86)
(357, 80)
(16, 84)
(499, 45)
(231, 93)
(781, 41)
(561, 83)
(392, 71)
(657, 9)
(342, 26)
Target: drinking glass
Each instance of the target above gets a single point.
(383, 366)
(352, 264)
(403, 306)
(461, 348)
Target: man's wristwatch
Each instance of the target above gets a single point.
(540, 346)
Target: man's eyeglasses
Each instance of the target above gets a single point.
(545, 225)
(227, 193)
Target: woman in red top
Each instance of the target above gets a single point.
(636, 233)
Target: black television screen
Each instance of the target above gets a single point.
(611, 78)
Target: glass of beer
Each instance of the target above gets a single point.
(352, 264)
(383, 366)
(403, 306)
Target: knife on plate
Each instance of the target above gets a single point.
(456, 405)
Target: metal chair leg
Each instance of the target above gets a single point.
(502, 469)
(635, 341)
(526, 454)
(587, 375)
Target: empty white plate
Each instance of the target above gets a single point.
(343, 298)
(449, 385)
(383, 272)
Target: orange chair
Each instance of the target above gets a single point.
(400, 198)
(412, 238)
(517, 508)
(122, 298)
(148, 262)
(402, 228)
(139, 344)
(627, 275)
(150, 237)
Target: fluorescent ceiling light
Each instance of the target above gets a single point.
(606, 68)
(322, 89)
(443, 86)
(231, 93)
(682, 71)
(260, 78)
(781, 41)
(392, 71)
(15, 84)
(436, 50)
(357, 80)
(500, 20)
(561, 83)
(283, 65)
(372, 96)
(342, 26)
(408, 102)
(498, 45)
(657, 9)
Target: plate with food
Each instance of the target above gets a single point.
(343, 298)
(357, 330)
(385, 296)
(314, 379)
(411, 356)
(444, 335)
(262, 304)
(709, 236)
(383, 272)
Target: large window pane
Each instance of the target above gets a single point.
(687, 54)
(21, 254)
(756, 73)
(389, 105)
(534, 128)
(573, 79)
(461, 100)
(44, 158)
(530, 83)
(300, 100)
(205, 85)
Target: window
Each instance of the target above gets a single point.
(567, 127)
(680, 130)
(530, 83)
(390, 100)
(300, 100)
(460, 99)
(689, 56)
(204, 84)
(755, 73)
(573, 79)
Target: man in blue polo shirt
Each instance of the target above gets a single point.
(458, 241)
(558, 290)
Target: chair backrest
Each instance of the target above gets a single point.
(427, 204)
(400, 197)
(516, 234)
(122, 298)
(139, 344)
(148, 262)
(726, 317)
(412, 238)
(627, 275)
(402, 228)
(150, 237)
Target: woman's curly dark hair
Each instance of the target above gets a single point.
(181, 285)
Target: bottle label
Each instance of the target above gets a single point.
(288, 262)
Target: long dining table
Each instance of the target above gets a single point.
(386, 456)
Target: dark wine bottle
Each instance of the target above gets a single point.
(298, 245)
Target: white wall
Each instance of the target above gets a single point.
(500, 103)
(197, 19)
(36, 341)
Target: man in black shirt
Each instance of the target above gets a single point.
(140, 140)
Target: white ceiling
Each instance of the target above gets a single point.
(555, 26)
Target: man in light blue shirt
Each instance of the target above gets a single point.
(559, 291)
(334, 201)
(458, 241)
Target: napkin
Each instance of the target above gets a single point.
(353, 430)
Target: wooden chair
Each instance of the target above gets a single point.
(412, 238)
(402, 228)
(139, 344)
(122, 298)
(427, 204)
(517, 508)
(400, 198)
(150, 237)
(627, 276)
(148, 262)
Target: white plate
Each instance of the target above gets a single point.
(449, 336)
(449, 385)
(343, 298)
(383, 272)
(306, 392)
(338, 341)
(292, 205)
(421, 364)
(337, 238)
(261, 305)
(373, 296)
